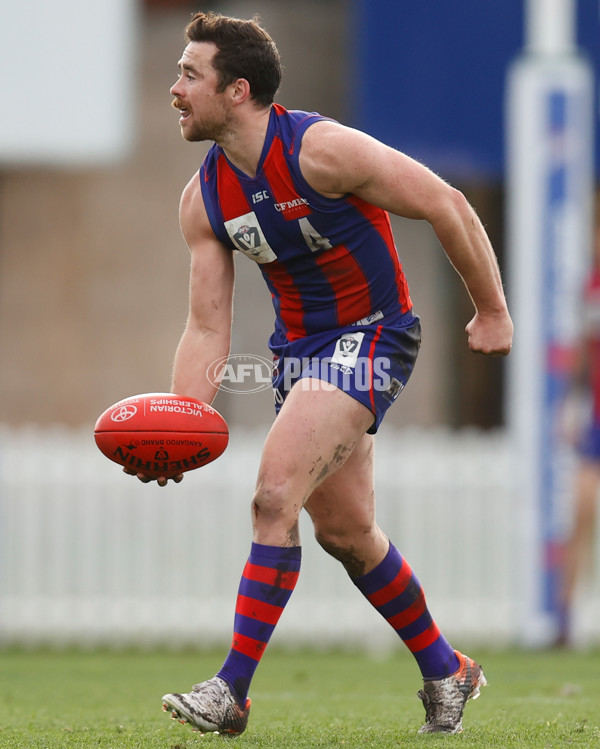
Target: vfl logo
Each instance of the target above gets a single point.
(347, 349)
(123, 413)
(248, 237)
(348, 346)
(246, 234)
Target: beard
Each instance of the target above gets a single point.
(212, 127)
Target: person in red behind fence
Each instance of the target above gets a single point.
(585, 388)
(307, 199)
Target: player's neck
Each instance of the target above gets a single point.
(243, 144)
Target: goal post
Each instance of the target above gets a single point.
(550, 157)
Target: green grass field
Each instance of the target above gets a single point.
(111, 699)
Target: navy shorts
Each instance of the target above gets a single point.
(372, 363)
(589, 446)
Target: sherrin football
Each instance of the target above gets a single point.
(161, 434)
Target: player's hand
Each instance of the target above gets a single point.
(490, 334)
(161, 480)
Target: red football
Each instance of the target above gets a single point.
(161, 434)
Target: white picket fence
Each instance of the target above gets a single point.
(90, 556)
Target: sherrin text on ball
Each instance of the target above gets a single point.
(161, 434)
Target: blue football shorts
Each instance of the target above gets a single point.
(589, 445)
(371, 362)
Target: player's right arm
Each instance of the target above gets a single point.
(207, 334)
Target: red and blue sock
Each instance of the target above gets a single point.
(267, 583)
(394, 590)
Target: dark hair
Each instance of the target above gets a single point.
(244, 50)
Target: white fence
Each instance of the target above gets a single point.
(90, 556)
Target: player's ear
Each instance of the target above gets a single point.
(240, 90)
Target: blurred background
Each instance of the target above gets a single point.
(93, 299)
(93, 266)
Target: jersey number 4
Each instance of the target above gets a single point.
(312, 237)
(246, 233)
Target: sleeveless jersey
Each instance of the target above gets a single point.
(328, 262)
(592, 332)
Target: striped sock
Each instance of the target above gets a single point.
(267, 583)
(393, 589)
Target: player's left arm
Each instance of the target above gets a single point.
(336, 160)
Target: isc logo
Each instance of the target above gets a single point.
(259, 196)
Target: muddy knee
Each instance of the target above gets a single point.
(344, 552)
(275, 516)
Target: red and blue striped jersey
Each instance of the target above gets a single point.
(592, 334)
(328, 262)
